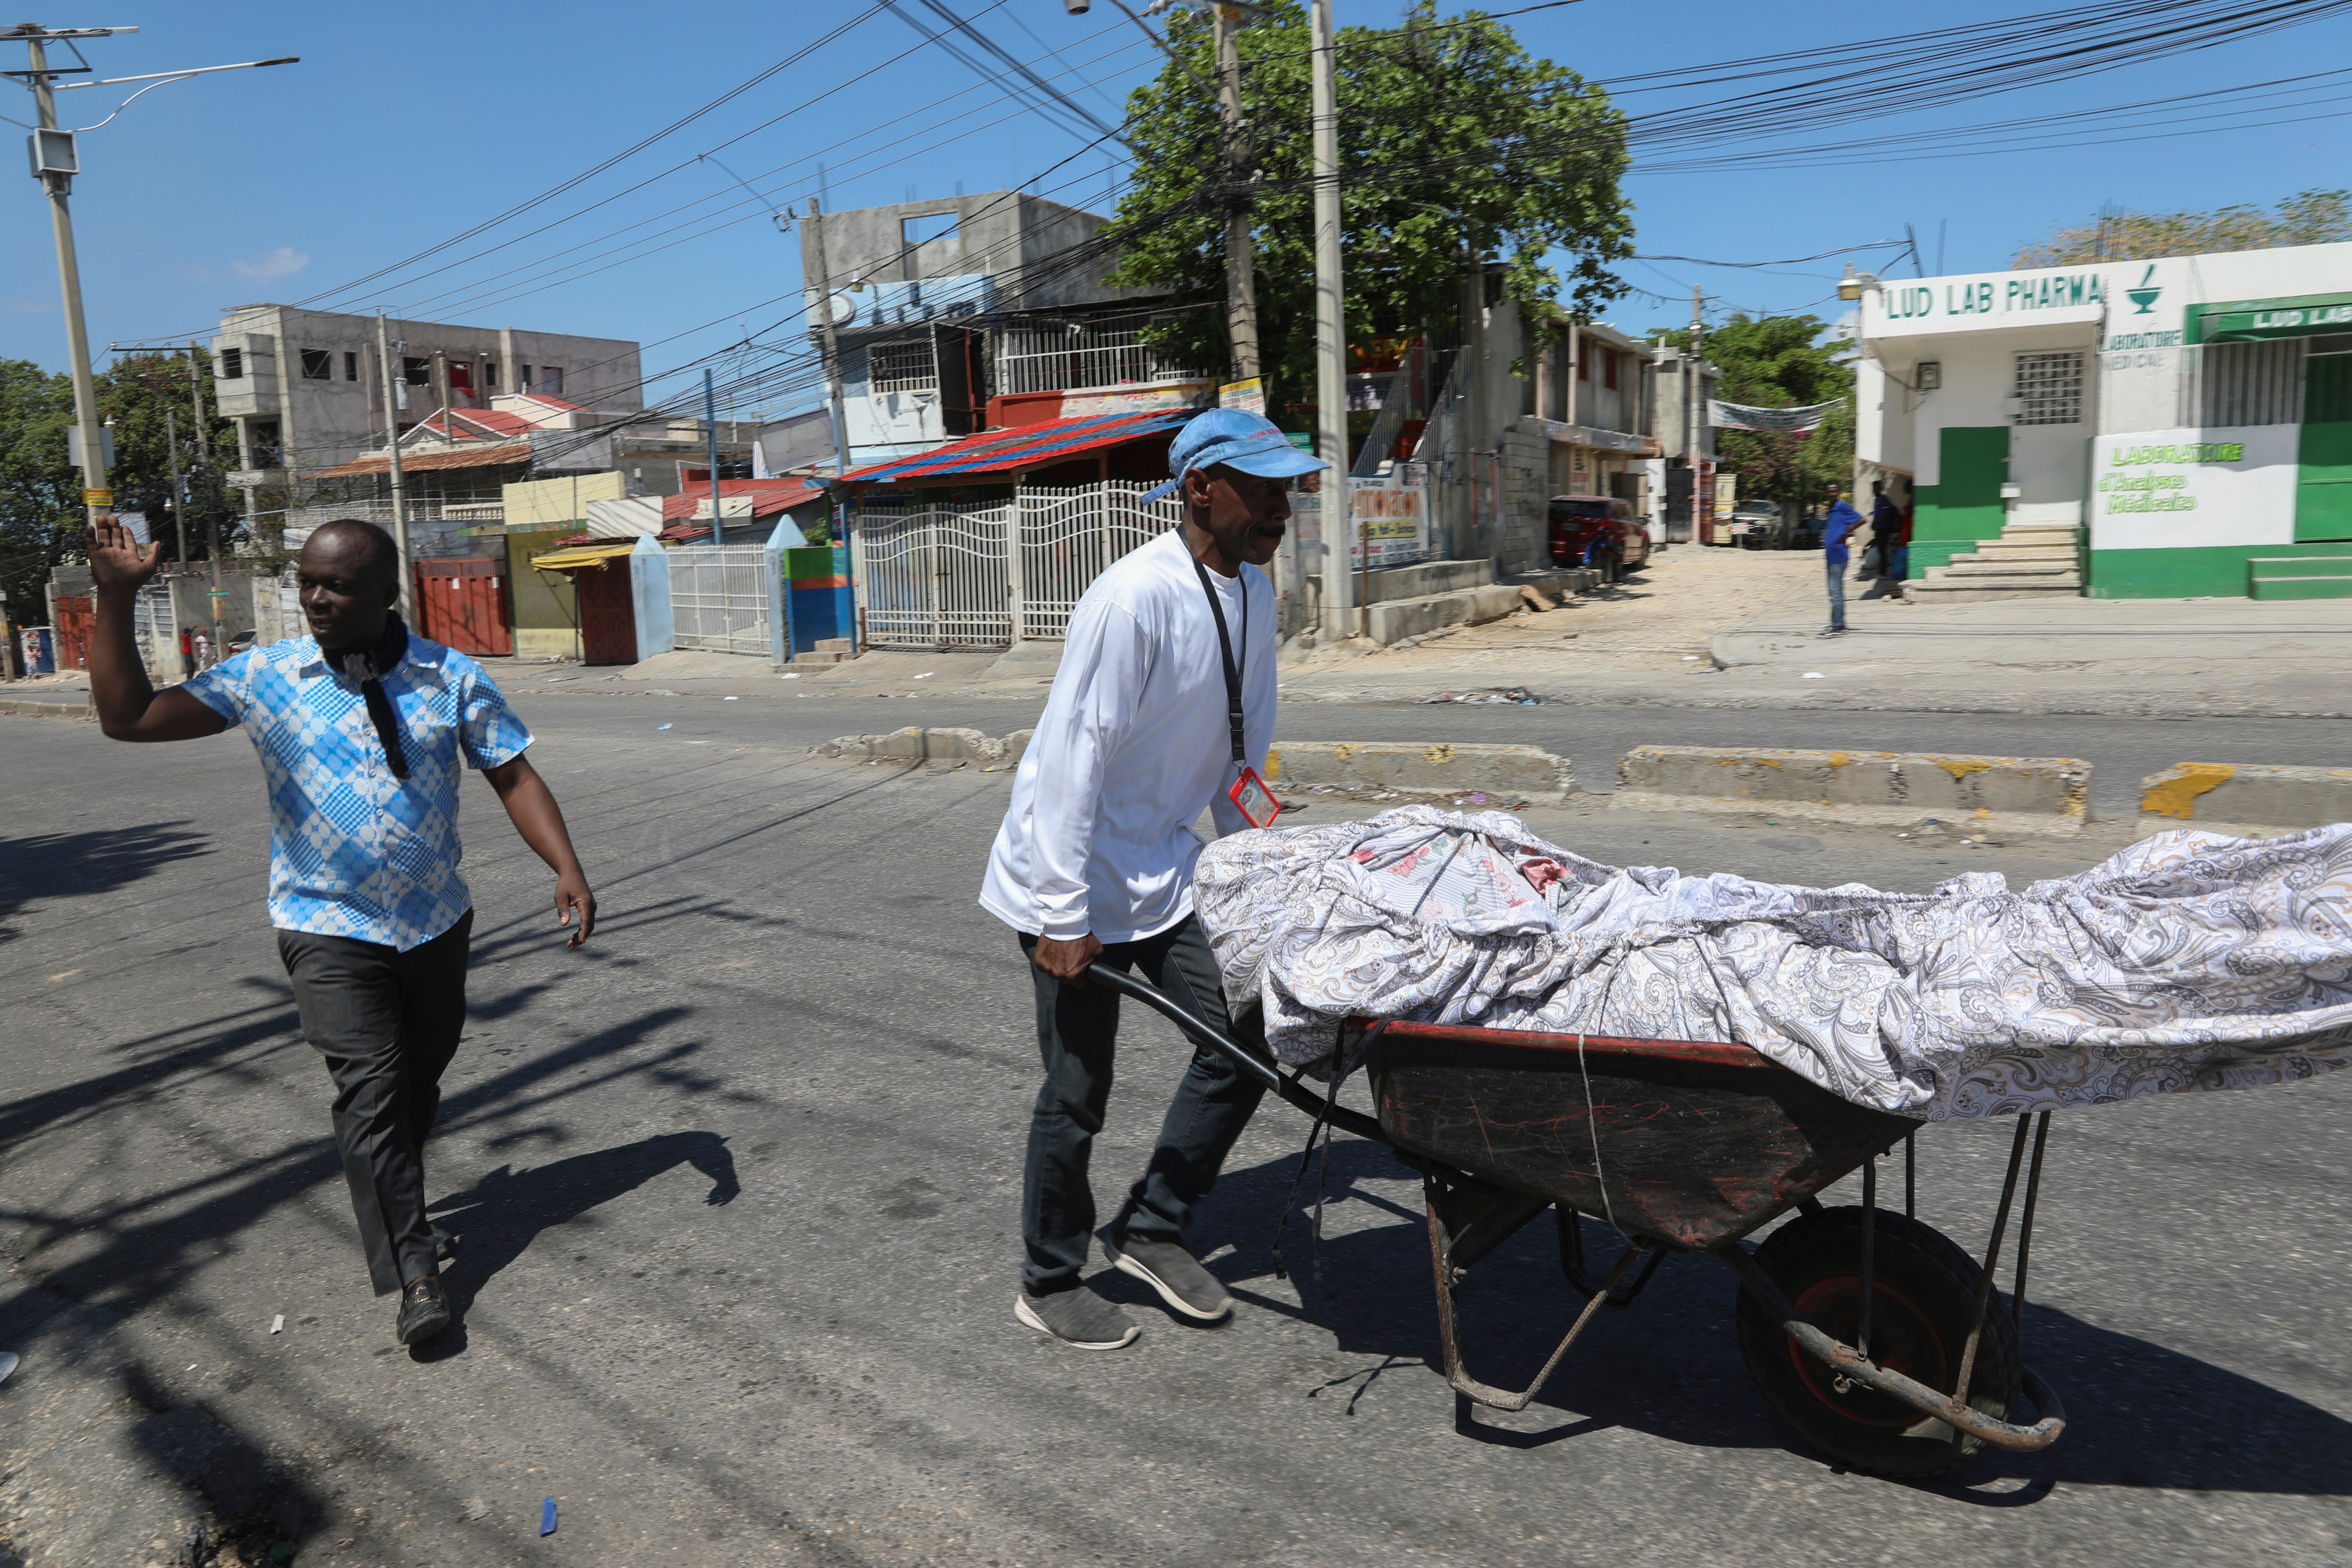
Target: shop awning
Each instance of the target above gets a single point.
(581, 555)
(1028, 447)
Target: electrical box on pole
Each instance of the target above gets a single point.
(53, 152)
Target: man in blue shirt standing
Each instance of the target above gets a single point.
(1842, 520)
(363, 730)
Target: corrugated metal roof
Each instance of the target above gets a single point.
(583, 555)
(769, 496)
(1029, 447)
(412, 462)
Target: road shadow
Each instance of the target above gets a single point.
(2140, 1414)
(55, 866)
(498, 1217)
(257, 1506)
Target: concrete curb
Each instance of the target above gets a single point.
(2245, 801)
(1417, 769)
(913, 745)
(2045, 796)
(27, 708)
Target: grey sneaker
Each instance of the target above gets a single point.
(1079, 1318)
(1182, 1283)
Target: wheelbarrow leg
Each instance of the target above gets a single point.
(1441, 1267)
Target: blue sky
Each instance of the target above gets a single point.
(399, 131)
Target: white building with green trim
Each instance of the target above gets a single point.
(2184, 425)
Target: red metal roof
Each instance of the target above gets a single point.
(1029, 447)
(769, 496)
(480, 424)
(412, 462)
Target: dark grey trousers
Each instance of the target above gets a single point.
(1077, 1035)
(387, 1021)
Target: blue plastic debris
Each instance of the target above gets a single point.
(547, 1509)
(661, 726)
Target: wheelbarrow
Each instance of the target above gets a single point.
(1880, 1340)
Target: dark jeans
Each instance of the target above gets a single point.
(1077, 1033)
(1837, 594)
(387, 1021)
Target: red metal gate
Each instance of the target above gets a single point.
(461, 602)
(75, 625)
(608, 612)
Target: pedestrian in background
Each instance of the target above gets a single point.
(364, 730)
(1842, 520)
(1882, 561)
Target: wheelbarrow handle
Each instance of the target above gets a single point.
(1847, 1361)
(1247, 1063)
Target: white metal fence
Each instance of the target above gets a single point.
(1044, 359)
(949, 576)
(719, 597)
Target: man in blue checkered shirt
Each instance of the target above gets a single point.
(363, 730)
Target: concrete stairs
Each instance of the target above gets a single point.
(2302, 572)
(828, 651)
(2029, 561)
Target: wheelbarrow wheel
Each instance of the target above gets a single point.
(1923, 1291)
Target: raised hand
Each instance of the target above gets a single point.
(117, 562)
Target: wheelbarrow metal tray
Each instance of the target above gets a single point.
(1697, 1142)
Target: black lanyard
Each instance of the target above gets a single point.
(1225, 644)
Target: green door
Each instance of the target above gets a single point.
(2323, 498)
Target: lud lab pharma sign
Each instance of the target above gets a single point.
(2013, 294)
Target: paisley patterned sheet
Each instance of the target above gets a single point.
(2188, 962)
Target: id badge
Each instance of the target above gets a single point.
(1253, 800)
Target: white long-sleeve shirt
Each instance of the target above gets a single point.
(1133, 743)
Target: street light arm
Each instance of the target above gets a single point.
(174, 76)
(165, 79)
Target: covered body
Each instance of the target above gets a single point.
(2186, 961)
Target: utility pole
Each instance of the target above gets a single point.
(710, 424)
(1330, 337)
(1241, 280)
(1690, 419)
(56, 161)
(179, 503)
(204, 466)
(832, 349)
(392, 451)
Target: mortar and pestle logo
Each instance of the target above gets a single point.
(2144, 296)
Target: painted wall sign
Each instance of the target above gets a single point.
(2156, 490)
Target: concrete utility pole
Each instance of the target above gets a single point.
(56, 161)
(832, 348)
(1331, 338)
(1241, 278)
(204, 466)
(391, 450)
(710, 423)
(179, 502)
(1690, 416)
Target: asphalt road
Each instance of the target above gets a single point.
(738, 1191)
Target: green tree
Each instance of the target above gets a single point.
(2314, 217)
(136, 392)
(1449, 134)
(40, 493)
(1781, 362)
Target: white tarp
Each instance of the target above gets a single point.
(2186, 962)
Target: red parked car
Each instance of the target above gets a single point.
(1599, 531)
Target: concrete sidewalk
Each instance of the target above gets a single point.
(2157, 655)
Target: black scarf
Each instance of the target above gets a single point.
(368, 666)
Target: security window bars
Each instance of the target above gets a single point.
(906, 365)
(2250, 384)
(232, 364)
(351, 366)
(2048, 388)
(1057, 358)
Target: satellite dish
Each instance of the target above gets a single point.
(842, 309)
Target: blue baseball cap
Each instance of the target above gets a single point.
(1236, 437)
